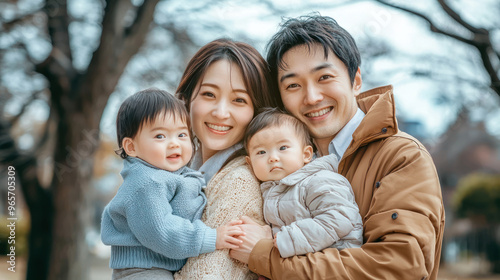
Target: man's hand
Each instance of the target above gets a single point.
(253, 234)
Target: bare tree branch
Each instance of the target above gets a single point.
(432, 25)
(58, 22)
(113, 54)
(454, 15)
(481, 39)
(8, 25)
(143, 18)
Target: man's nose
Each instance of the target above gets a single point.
(313, 95)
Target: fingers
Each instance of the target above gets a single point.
(248, 220)
(234, 231)
(233, 241)
(234, 223)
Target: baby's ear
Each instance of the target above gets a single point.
(308, 153)
(129, 146)
(247, 158)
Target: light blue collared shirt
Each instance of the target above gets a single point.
(214, 163)
(343, 139)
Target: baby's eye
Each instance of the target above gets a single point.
(282, 148)
(160, 136)
(183, 135)
(261, 152)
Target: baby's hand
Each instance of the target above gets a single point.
(226, 236)
(274, 241)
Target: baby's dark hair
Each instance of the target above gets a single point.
(271, 117)
(144, 107)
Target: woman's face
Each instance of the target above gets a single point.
(221, 109)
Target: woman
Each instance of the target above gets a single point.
(223, 86)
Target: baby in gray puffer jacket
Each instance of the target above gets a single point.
(309, 205)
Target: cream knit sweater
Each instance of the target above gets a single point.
(232, 193)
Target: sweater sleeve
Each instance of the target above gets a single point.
(402, 238)
(334, 214)
(150, 218)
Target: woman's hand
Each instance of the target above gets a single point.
(253, 234)
(226, 235)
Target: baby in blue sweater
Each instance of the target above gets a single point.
(153, 223)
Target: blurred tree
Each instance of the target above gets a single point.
(76, 98)
(478, 197)
(479, 38)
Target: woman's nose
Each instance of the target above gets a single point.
(221, 110)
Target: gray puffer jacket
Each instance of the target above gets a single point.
(313, 209)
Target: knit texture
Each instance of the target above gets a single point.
(232, 193)
(153, 220)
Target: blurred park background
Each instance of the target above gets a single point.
(66, 65)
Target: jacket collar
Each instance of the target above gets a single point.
(380, 119)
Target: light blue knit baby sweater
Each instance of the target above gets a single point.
(154, 219)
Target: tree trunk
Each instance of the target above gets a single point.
(73, 162)
(38, 200)
(60, 214)
(40, 238)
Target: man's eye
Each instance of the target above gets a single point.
(324, 77)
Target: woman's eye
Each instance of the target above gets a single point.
(160, 136)
(282, 148)
(292, 86)
(240, 100)
(208, 94)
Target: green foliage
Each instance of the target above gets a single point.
(19, 235)
(478, 196)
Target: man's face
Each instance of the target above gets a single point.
(318, 91)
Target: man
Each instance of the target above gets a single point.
(315, 65)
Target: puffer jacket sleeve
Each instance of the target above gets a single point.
(334, 214)
(403, 231)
